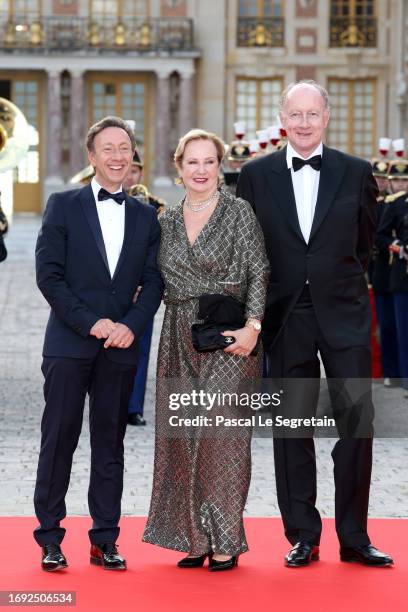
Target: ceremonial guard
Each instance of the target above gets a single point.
(379, 274)
(239, 152)
(133, 185)
(392, 240)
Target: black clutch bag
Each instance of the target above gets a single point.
(219, 312)
(207, 337)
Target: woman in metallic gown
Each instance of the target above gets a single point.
(211, 244)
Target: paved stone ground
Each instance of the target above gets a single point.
(23, 313)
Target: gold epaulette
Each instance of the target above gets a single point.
(394, 196)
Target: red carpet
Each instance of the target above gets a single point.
(260, 583)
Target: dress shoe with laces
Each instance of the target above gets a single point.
(220, 566)
(367, 555)
(135, 418)
(301, 554)
(53, 558)
(193, 561)
(107, 555)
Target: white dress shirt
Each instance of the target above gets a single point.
(112, 221)
(305, 185)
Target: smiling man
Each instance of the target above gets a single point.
(317, 208)
(95, 247)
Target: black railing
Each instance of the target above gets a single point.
(353, 31)
(261, 32)
(83, 33)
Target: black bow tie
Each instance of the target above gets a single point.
(105, 195)
(315, 162)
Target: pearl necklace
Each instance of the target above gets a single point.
(201, 205)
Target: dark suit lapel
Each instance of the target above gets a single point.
(331, 175)
(89, 208)
(131, 214)
(280, 181)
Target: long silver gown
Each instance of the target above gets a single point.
(201, 480)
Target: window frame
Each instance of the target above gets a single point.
(351, 142)
(259, 81)
(119, 10)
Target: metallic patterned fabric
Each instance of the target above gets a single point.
(201, 478)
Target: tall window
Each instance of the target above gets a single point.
(260, 23)
(353, 8)
(260, 8)
(26, 96)
(22, 8)
(353, 23)
(257, 103)
(119, 8)
(352, 125)
(124, 96)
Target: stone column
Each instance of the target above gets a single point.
(186, 103)
(162, 147)
(76, 123)
(53, 180)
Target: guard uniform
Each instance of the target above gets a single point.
(238, 153)
(393, 231)
(136, 403)
(379, 276)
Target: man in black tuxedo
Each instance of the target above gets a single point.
(317, 208)
(95, 247)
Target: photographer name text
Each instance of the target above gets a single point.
(255, 420)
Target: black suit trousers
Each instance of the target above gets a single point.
(294, 355)
(67, 381)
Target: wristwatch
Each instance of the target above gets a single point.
(254, 323)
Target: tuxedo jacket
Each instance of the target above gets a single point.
(336, 257)
(73, 274)
(380, 268)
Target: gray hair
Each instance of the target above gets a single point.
(322, 91)
(110, 121)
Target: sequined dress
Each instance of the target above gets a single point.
(201, 480)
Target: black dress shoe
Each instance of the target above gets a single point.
(53, 558)
(367, 555)
(301, 554)
(134, 418)
(193, 561)
(219, 566)
(107, 555)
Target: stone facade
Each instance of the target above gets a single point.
(291, 44)
(306, 53)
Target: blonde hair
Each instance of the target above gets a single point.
(197, 134)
